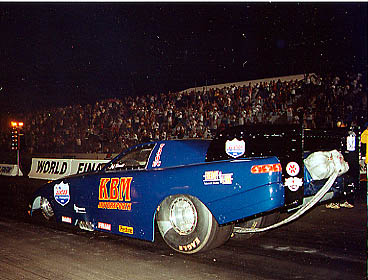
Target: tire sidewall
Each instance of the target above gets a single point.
(201, 236)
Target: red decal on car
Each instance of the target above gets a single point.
(266, 168)
(157, 161)
(104, 226)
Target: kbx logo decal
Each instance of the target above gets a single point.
(61, 193)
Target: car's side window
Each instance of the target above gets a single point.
(135, 159)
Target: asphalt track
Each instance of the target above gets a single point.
(323, 244)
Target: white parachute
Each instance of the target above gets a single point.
(321, 165)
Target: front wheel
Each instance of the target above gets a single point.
(46, 209)
(187, 226)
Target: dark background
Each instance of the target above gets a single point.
(55, 54)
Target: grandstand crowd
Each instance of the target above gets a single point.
(108, 126)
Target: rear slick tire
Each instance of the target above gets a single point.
(188, 227)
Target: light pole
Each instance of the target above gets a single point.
(15, 145)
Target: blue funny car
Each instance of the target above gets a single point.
(195, 191)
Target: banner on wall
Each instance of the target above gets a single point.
(52, 169)
(10, 170)
(87, 165)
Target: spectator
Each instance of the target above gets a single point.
(112, 124)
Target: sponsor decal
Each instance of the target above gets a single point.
(104, 226)
(125, 229)
(65, 219)
(265, 168)
(350, 142)
(235, 148)
(293, 183)
(79, 210)
(61, 193)
(216, 177)
(157, 161)
(114, 193)
(115, 205)
(190, 246)
(254, 225)
(292, 168)
(115, 188)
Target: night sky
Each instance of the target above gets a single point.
(54, 54)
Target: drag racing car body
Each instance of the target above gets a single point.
(195, 191)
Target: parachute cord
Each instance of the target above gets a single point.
(317, 197)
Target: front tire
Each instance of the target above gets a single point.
(187, 226)
(46, 209)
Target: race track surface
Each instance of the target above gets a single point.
(323, 244)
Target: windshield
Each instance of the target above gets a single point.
(135, 159)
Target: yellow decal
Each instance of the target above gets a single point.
(124, 188)
(102, 193)
(114, 192)
(254, 225)
(115, 205)
(114, 189)
(125, 229)
(212, 175)
(216, 177)
(190, 246)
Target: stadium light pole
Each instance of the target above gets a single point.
(16, 127)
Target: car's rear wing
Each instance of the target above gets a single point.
(291, 144)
